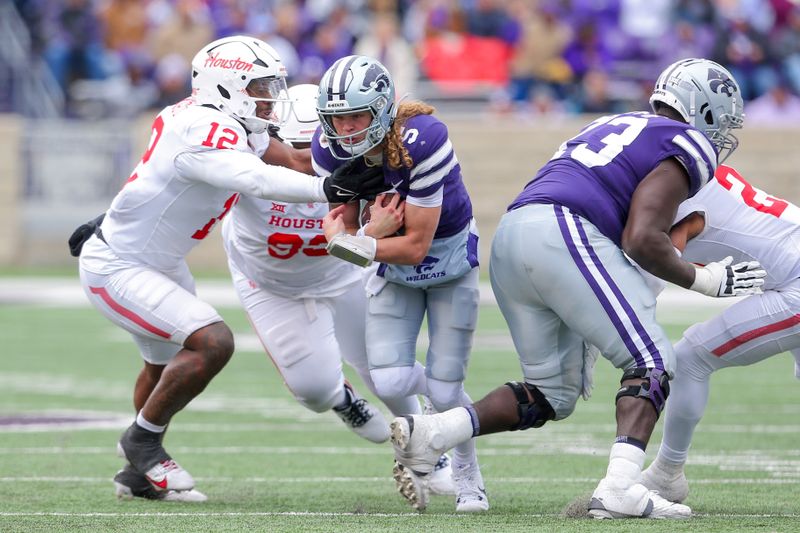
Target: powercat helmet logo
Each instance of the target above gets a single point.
(719, 82)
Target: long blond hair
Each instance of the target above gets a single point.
(395, 153)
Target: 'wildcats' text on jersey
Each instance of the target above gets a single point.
(595, 173)
(281, 247)
(433, 180)
(767, 232)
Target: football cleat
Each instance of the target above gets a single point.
(143, 450)
(441, 479)
(411, 486)
(470, 492)
(420, 440)
(621, 499)
(130, 484)
(668, 480)
(365, 420)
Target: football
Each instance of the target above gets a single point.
(366, 213)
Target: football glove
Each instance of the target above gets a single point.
(345, 184)
(721, 279)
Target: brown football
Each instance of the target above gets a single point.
(365, 208)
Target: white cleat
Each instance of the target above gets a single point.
(668, 480)
(470, 492)
(420, 440)
(418, 445)
(185, 496)
(141, 448)
(441, 479)
(614, 499)
(169, 475)
(362, 418)
(412, 487)
(130, 484)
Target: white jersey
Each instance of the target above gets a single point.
(767, 232)
(197, 162)
(281, 247)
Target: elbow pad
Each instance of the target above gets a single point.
(353, 249)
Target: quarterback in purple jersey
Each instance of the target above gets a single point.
(429, 269)
(564, 285)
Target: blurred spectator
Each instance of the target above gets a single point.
(75, 49)
(187, 30)
(786, 47)
(745, 52)
(125, 23)
(330, 42)
(587, 51)
(594, 95)
(173, 80)
(457, 61)
(383, 42)
(537, 64)
(487, 19)
(776, 107)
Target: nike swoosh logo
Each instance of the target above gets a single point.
(160, 484)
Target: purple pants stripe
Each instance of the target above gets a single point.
(603, 297)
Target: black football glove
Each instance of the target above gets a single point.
(82, 234)
(345, 184)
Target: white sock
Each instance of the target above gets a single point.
(149, 426)
(625, 462)
(455, 426)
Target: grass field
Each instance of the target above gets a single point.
(267, 464)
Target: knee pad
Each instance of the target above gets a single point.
(395, 382)
(445, 395)
(531, 414)
(655, 389)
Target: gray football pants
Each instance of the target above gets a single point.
(558, 282)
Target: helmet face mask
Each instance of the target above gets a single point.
(707, 96)
(243, 77)
(351, 85)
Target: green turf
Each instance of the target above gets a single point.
(269, 465)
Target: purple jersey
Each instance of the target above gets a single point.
(595, 173)
(434, 174)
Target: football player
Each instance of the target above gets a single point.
(200, 158)
(431, 267)
(728, 217)
(563, 283)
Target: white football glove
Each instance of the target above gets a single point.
(354, 249)
(721, 279)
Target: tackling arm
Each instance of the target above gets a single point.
(281, 154)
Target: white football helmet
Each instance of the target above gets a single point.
(233, 74)
(302, 119)
(353, 84)
(707, 96)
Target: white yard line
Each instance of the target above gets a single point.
(67, 292)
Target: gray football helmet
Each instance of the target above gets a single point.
(353, 84)
(707, 97)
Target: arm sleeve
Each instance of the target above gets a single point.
(245, 173)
